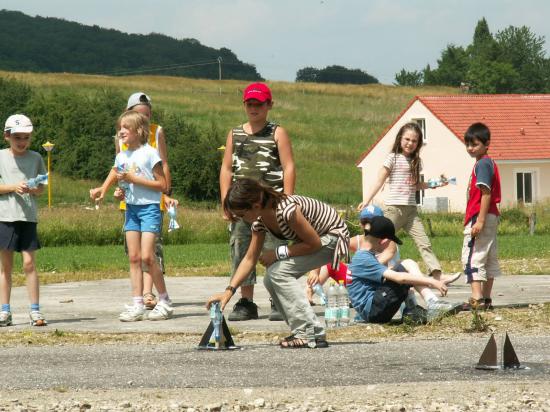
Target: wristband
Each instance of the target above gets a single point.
(232, 289)
(282, 252)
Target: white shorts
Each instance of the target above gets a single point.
(479, 255)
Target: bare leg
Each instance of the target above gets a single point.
(477, 289)
(413, 269)
(133, 241)
(147, 283)
(488, 288)
(149, 258)
(5, 275)
(247, 292)
(29, 268)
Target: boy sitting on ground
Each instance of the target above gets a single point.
(377, 292)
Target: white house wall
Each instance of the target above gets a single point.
(442, 153)
(508, 171)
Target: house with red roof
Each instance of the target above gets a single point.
(520, 145)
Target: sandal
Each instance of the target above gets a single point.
(292, 342)
(149, 300)
(488, 304)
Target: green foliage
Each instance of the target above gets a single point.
(512, 61)
(334, 74)
(451, 70)
(405, 78)
(491, 77)
(194, 158)
(14, 96)
(525, 52)
(41, 44)
(82, 128)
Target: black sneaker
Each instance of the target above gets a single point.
(244, 310)
(275, 315)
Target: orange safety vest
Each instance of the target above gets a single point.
(154, 130)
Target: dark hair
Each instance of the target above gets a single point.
(415, 160)
(244, 193)
(477, 131)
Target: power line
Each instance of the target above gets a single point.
(161, 68)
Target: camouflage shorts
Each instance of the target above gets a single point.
(239, 241)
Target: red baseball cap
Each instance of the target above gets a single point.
(257, 91)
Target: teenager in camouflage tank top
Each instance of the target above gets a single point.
(259, 150)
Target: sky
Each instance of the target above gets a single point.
(282, 36)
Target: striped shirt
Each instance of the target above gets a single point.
(323, 218)
(402, 190)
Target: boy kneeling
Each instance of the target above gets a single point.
(377, 292)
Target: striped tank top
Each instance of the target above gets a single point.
(323, 218)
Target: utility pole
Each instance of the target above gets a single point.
(220, 73)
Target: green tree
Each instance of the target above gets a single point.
(451, 70)
(335, 74)
(194, 158)
(525, 52)
(307, 74)
(405, 78)
(81, 127)
(485, 76)
(56, 45)
(14, 96)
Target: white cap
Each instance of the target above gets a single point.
(138, 98)
(18, 123)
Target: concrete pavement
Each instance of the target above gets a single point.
(94, 306)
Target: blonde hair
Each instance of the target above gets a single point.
(136, 122)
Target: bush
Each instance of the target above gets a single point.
(82, 128)
(193, 157)
(14, 96)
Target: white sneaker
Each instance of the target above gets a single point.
(441, 308)
(37, 318)
(132, 314)
(162, 311)
(5, 318)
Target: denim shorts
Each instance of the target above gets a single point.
(143, 218)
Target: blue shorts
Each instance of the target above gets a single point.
(143, 218)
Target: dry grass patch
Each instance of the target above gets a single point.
(523, 321)
(533, 320)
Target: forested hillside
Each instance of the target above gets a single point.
(39, 44)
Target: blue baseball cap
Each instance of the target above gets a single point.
(370, 211)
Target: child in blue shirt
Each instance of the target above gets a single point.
(377, 292)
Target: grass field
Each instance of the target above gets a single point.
(523, 255)
(330, 125)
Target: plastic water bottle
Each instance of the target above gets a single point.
(343, 305)
(38, 180)
(124, 185)
(216, 318)
(319, 291)
(331, 310)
